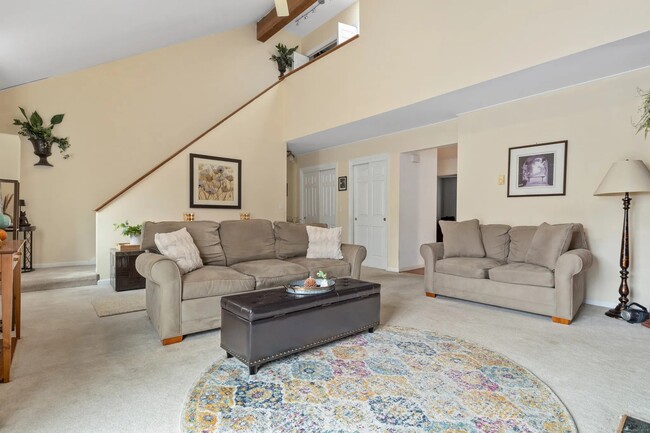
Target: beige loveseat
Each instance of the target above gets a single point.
(502, 269)
(238, 256)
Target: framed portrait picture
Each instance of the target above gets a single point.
(215, 182)
(343, 183)
(537, 170)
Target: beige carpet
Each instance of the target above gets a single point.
(119, 303)
(74, 372)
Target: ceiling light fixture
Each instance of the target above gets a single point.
(312, 10)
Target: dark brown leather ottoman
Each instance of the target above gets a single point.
(258, 327)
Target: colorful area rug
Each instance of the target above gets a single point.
(395, 380)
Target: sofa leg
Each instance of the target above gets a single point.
(173, 340)
(430, 295)
(560, 320)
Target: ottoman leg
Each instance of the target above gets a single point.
(228, 355)
(371, 330)
(253, 369)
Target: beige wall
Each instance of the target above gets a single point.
(10, 156)
(596, 119)
(122, 119)
(407, 54)
(329, 31)
(165, 194)
(391, 145)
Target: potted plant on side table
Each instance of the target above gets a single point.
(133, 232)
(41, 136)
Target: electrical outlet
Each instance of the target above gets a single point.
(501, 180)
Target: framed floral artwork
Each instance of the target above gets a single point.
(537, 169)
(215, 182)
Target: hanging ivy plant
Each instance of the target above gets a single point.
(644, 122)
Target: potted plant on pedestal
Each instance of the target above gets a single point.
(41, 136)
(284, 58)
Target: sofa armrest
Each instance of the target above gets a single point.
(164, 293)
(570, 279)
(354, 255)
(430, 253)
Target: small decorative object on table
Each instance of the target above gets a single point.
(133, 232)
(323, 279)
(311, 286)
(3, 236)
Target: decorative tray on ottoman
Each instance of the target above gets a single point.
(298, 287)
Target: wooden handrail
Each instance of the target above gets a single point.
(173, 155)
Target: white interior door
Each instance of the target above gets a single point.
(319, 196)
(369, 210)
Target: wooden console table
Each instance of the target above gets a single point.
(10, 274)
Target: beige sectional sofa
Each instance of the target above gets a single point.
(238, 256)
(503, 267)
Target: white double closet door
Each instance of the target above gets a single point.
(369, 209)
(319, 195)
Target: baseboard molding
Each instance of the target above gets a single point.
(391, 269)
(63, 264)
(410, 268)
(105, 282)
(600, 303)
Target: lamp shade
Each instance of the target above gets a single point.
(625, 176)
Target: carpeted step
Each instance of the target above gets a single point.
(58, 278)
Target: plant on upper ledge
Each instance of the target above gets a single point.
(644, 122)
(41, 136)
(284, 57)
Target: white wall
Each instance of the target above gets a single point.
(417, 205)
(596, 119)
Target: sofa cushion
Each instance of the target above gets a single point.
(204, 233)
(333, 268)
(523, 273)
(324, 243)
(179, 246)
(215, 281)
(549, 243)
(496, 241)
(520, 239)
(462, 239)
(290, 239)
(272, 272)
(469, 267)
(245, 240)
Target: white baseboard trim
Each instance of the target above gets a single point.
(391, 269)
(600, 303)
(410, 268)
(62, 264)
(103, 282)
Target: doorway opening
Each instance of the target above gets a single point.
(318, 195)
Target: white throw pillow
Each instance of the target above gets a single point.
(324, 243)
(179, 246)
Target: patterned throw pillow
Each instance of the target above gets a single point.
(324, 243)
(179, 246)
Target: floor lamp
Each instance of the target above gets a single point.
(624, 177)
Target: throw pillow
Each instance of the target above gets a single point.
(324, 243)
(462, 239)
(179, 246)
(549, 243)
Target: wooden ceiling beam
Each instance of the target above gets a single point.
(272, 23)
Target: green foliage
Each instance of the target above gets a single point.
(32, 127)
(644, 122)
(128, 230)
(322, 275)
(284, 57)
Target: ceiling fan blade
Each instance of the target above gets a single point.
(282, 8)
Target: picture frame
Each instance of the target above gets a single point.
(537, 169)
(343, 183)
(215, 182)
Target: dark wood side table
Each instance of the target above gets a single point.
(28, 237)
(123, 273)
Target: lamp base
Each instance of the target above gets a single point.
(614, 312)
